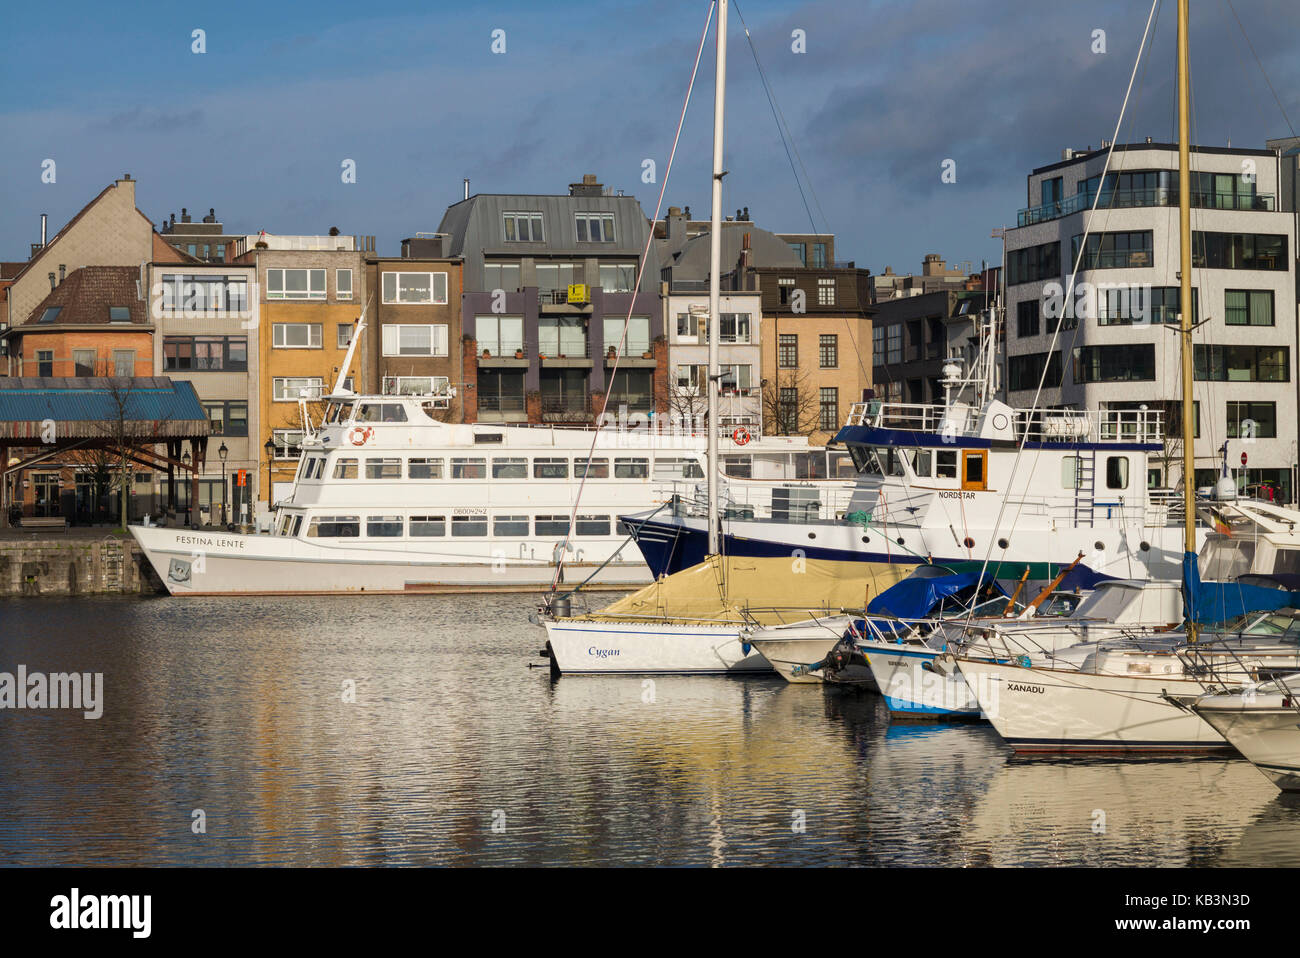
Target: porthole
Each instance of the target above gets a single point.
(1099, 546)
(866, 538)
(812, 535)
(1003, 543)
(1144, 546)
(968, 542)
(900, 540)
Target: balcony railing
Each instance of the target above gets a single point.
(566, 408)
(503, 350)
(1134, 199)
(501, 404)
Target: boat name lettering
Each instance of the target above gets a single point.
(469, 511)
(1017, 687)
(601, 653)
(209, 542)
(956, 495)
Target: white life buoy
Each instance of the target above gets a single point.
(358, 436)
(741, 436)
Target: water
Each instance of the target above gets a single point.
(235, 706)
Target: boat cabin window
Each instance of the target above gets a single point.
(593, 525)
(810, 465)
(864, 459)
(551, 526)
(839, 465)
(631, 468)
(1223, 559)
(332, 527)
(1281, 624)
(591, 468)
(795, 505)
(675, 468)
(312, 467)
(1070, 472)
(297, 526)
(381, 412)
(510, 525)
(891, 461)
(424, 469)
(737, 467)
(428, 527)
(513, 468)
(945, 464)
(462, 468)
(1287, 561)
(384, 527)
(338, 412)
(922, 461)
(383, 469)
(469, 525)
(550, 468)
(974, 470)
(345, 469)
(1117, 472)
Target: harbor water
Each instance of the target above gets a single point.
(411, 731)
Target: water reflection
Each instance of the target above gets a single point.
(454, 752)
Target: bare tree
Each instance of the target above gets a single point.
(791, 404)
(128, 437)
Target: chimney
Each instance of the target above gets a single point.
(173, 223)
(588, 186)
(675, 224)
(334, 231)
(185, 215)
(746, 212)
(686, 211)
(212, 215)
(1148, 139)
(467, 187)
(63, 272)
(43, 218)
(737, 214)
(53, 283)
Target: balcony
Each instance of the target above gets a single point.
(506, 354)
(502, 405)
(562, 409)
(1137, 199)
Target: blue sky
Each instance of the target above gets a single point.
(887, 91)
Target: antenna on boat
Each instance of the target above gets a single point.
(352, 346)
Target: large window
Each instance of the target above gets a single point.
(296, 335)
(343, 284)
(406, 339)
(503, 276)
(894, 343)
(1027, 318)
(732, 328)
(1248, 307)
(1024, 372)
(206, 293)
(1252, 420)
(83, 362)
(638, 334)
(877, 345)
(618, 277)
(408, 288)
(295, 284)
(1243, 363)
(1262, 251)
(331, 527)
(291, 388)
(1033, 263)
(826, 291)
(595, 227)
(787, 350)
(45, 363)
(1113, 250)
(288, 443)
(828, 351)
(1113, 364)
(499, 335)
(124, 362)
(522, 227)
(227, 417)
(558, 276)
(829, 408)
(1125, 305)
(200, 353)
(563, 336)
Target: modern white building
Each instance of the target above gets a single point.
(739, 356)
(1117, 347)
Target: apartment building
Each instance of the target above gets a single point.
(550, 282)
(310, 292)
(413, 326)
(912, 337)
(1115, 349)
(206, 240)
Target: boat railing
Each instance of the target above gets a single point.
(790, 503)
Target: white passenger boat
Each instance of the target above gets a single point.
(1262, 722)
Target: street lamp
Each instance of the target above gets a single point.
(270, 481)
(189, 486)
(221, 454)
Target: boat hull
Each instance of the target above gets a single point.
(191, 562)
(791, 648)
(1268, 737)
(593, 647)
(911, 690)
(1058, 710)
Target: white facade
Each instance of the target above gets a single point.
(1110, 359)
(739, 355)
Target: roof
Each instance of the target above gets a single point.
(692, 260)
(86, 294)
(84, 407)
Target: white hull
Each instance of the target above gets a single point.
(1268, 737)
(791, 647)
(580, 646)
(1059, 710)
(217, 563)
(913, 691)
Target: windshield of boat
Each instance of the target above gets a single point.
(1223, 558)
(1283, 625)
(1060, 603)
(1105, 602)
(338, 412)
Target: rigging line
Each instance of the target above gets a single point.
(1083, 246)
(1264, 72)
(645, 256)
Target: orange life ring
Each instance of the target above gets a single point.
(358, 436)
(741, 436)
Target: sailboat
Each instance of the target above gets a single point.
(1127, 698)
(1262, 722)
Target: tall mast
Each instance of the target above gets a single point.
(715, 269)
(1185, 296)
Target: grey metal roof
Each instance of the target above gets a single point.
(83, 406)
(476, 227)
(692, 262)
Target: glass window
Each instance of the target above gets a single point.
(593, 525)
(945, 465)
(383, 469)
(290, 389)
(405, 339)
(738, 467)
(591, 468)
(424, 469)
(828, 350)
(1252, 420)
(51, 314)
(124, 362)
(469, 525)
(343, 283)
(618, 277)
(83, 362)
(414, 288)
(427, 527)
(595, 227)
(296, 335)
(638, 335)
(384, 526)
(119, 314)
(510, 468)
(345, 331)
(295, 284)
(631, 468)
(499, 335)
(502, 276)
(510, 525)
(345, 469)
(1248, 307)
(551, 526)
(522, 227)
(462, 468)
(787, 350)
(550, 468)
(330, 527)
(1117, 472)
(288, 443)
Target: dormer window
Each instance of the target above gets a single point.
(51, 314)
(595, 227)
(523, 227)
(119, 314)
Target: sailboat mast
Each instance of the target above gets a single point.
(715, 269)
(1185, 282)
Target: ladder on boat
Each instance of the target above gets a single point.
(1085, 469)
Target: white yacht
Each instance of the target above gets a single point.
(389, 499)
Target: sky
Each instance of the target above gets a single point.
(884, 94)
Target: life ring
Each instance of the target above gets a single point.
(358, 436)
(741, 436)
